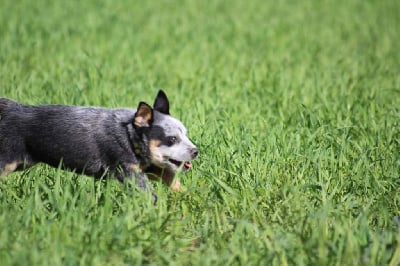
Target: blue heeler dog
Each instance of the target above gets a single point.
(123, 143)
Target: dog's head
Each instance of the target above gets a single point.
(167, 143)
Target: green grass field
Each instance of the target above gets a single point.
(294, 105)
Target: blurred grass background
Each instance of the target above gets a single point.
(293, 104)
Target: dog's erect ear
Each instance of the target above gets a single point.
(143, 116)
(161, 103)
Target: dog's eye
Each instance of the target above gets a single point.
(171, 140)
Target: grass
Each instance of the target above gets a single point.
(295, 107)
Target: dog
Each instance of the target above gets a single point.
(123, 143)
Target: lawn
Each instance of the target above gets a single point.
(294, 105)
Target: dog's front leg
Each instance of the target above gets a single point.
(131, 170)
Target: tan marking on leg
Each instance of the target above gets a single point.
(167, 177)
(9, 168)
(134, 167)
(176, 186)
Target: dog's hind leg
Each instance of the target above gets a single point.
(8, 168)
(13, 155)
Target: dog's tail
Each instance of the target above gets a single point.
(6, 104)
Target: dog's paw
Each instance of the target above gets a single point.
(176, 186)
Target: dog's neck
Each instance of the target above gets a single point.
(139, 146)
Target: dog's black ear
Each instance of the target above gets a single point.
(143, 116)
(161, 103)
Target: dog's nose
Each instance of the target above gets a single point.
(194, 152)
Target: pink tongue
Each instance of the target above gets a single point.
(187, 165)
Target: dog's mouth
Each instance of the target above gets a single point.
(186, 165)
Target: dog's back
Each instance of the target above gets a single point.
(8, 108)
(78, 136)
(6, 104)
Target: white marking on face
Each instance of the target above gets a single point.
(178, 148)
